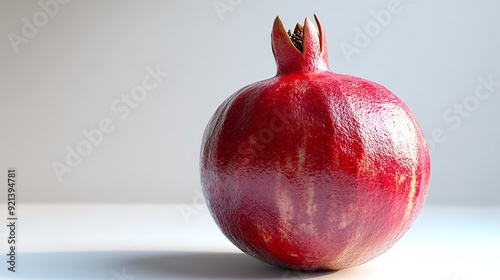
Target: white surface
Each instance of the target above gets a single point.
(155, 242)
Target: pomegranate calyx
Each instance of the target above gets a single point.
(304, 50)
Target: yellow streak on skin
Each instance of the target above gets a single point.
(349, 210)
(285, 208)
(405, 145)
(265, 235)
(411, 195)
(400, 181)
(309, 185)
(364, 165)
(311, 207)
(402, 178)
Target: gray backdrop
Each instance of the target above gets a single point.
(106, 101)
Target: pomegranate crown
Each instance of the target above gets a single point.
(304, 50)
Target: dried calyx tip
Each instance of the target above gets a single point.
(297, 37)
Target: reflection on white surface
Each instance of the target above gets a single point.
(155, 242)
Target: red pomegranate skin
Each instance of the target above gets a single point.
(310, 169)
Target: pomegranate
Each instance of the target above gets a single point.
(311, 169)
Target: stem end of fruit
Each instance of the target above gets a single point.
(304, 50)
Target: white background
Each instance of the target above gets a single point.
(66, 74)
